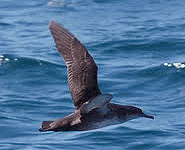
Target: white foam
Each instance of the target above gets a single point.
(2, 56)
(7, 59)
(183, 66)
(176, 65)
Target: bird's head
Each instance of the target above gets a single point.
(132, 112)
(137, 112)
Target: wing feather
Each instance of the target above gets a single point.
(81, 68)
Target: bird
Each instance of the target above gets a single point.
(93, 109)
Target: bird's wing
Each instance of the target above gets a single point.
(81, 68)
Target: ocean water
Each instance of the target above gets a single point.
(139, 47)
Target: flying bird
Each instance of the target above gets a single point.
(92, 108)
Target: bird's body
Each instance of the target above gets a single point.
(93, 109)
(78, 121)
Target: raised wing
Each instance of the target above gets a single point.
(81, 68)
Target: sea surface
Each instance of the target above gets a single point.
(139, 47)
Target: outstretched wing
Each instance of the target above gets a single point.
(81, 68)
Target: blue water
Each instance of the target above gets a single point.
(135, 45)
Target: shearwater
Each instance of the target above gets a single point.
(92, 108)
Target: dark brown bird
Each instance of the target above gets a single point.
(93, 109)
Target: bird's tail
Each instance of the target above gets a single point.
(45, 126)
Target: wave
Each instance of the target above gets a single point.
(142, 45)
(17, 61)
(30, 72)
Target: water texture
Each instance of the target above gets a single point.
(139, 47)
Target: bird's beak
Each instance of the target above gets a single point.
(148, 116)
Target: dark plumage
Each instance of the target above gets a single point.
(93, 109)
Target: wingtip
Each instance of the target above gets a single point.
(51, 23)
(54, 25)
